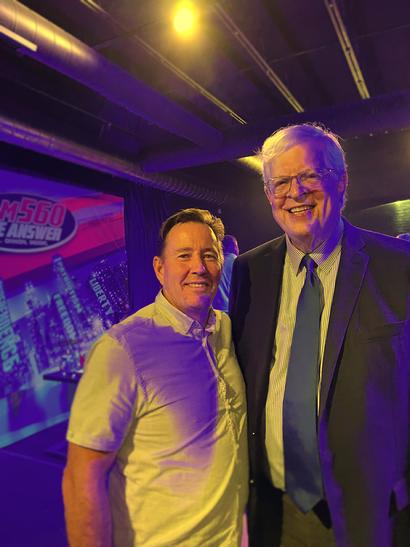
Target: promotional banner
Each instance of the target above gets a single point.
(63, 281)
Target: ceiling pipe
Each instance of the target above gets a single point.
(347, 48)
(68, 55)
(30, 138)
(257, 58)
(375, 115)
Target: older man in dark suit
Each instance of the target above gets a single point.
(322, 333)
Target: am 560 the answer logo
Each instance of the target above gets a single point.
(31, 224)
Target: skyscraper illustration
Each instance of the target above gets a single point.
(13, 371)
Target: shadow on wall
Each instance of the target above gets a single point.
(250, 218)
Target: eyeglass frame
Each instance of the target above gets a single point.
(322, 173)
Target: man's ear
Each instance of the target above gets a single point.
(343, 182)
(342, 188)
(158, 268)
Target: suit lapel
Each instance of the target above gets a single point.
(268, 279)
(352, 269)
(270, 283)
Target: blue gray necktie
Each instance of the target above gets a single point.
(302, 468)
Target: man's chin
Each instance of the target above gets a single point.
(201, 305)
(301, 239)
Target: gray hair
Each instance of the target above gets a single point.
(285, 138)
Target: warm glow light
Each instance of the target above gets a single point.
(184, 19)
(17, 38)
(252, 162)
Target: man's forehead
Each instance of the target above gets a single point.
(190, 235)
(306, 154)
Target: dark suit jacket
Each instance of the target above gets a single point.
(364, 416)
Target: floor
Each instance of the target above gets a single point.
(31, 510)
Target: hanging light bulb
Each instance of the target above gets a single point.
(185, 19)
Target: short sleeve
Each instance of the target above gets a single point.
(104, 403)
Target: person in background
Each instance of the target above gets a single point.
(231, 251)
(321, 325)
(157, 435)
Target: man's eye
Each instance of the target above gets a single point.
(184, 256)
(210, 256)
(281, 182)
(309, 176)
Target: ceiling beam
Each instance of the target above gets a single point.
(347, 48)
(63, 52)
(34, 139)
(375, 115)
(260, 62)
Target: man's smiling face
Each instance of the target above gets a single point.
(189, 268)
(308, 217)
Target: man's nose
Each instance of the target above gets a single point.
(198, 265)
(296, 188)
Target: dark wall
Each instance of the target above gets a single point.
(379, 169)
(390, 218)
(250, 219)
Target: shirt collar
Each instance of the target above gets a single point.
(324, 255)
(181, 322)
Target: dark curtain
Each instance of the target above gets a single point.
(145, 210)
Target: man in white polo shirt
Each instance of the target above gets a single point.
(157, 434)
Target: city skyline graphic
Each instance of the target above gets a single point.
(55, 303)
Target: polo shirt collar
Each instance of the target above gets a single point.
(180, 321)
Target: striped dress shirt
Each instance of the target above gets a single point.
(327, 257)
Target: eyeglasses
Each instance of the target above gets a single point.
(310, 180)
